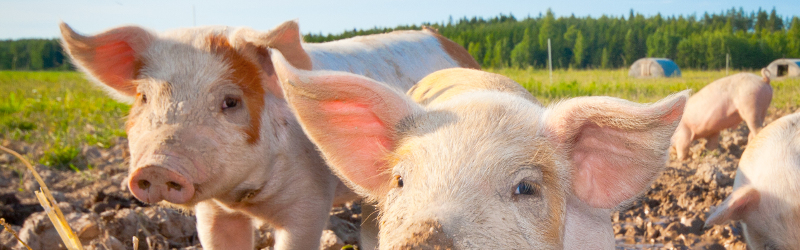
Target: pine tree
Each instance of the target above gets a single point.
(521, 55)
(605, 61)
(579, 50)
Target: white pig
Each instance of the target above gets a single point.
(209, 129)
(722, 104)
(481, 165)
(766, 191)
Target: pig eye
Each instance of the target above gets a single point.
(398, 181)
(526, 188)
(144, 98)
(229, 102)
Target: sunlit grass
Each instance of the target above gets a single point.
(617, 83)
(61, 111)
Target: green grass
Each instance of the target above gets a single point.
(59, 111)
(571, 83)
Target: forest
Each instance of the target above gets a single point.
(694, 42)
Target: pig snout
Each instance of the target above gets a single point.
(427, 234)
(153, 183)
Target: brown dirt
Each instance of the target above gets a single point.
(106, 216)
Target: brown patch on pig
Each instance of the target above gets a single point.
(545, 156)
(457, 52)
(247, 76)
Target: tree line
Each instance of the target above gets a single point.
(752, 39)
(33, 54)
(700, 42)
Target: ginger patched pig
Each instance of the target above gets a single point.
(468, 159)
(722, 104)
(210, 131)
(766, 191)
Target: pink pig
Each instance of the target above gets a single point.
(474, 162)
(765, 192)
(722, 104)
(209, 128)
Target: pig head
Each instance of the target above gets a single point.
(485, 166)
(197, 104)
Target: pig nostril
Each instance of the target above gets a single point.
(174, 185)
(143, 184)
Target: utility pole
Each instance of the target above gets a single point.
(727, 62)
(550, 60)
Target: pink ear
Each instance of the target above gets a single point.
(351, 118)
(112, 57)
(285, 38)
(736, 206)
(617, 147)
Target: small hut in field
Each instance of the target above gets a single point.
(654, 67)
(784, 67)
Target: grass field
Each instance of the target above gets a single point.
(62, 112)
(59, 111)
(571, 83)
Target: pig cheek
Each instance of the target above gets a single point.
(393, 211)
(228, 155)
(136, 138)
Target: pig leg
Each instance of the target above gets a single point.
(752, 110)
(682, 139)
(303, 231)
(299, 224)
(219, 228)
(754, 117)
(369, 226)
(712, 142)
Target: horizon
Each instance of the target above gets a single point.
(39, 19)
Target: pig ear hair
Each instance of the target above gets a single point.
(352, 120)
(741, 201)
(616, 147)
(285, 38)
(112, 58)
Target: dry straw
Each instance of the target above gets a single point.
(51, 207)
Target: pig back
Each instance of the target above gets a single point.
(445, 84)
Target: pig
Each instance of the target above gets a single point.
(468, 160)
(210, 132)
(722, 104)
(765, 191)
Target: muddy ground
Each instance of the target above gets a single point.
(106, 216)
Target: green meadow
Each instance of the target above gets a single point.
(58, 113)
(616, 83)
(61, 112)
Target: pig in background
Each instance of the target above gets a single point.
(209, 130)
(766, 191)
(473, 162)
(722, 104)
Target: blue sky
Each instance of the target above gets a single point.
(39, 18)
